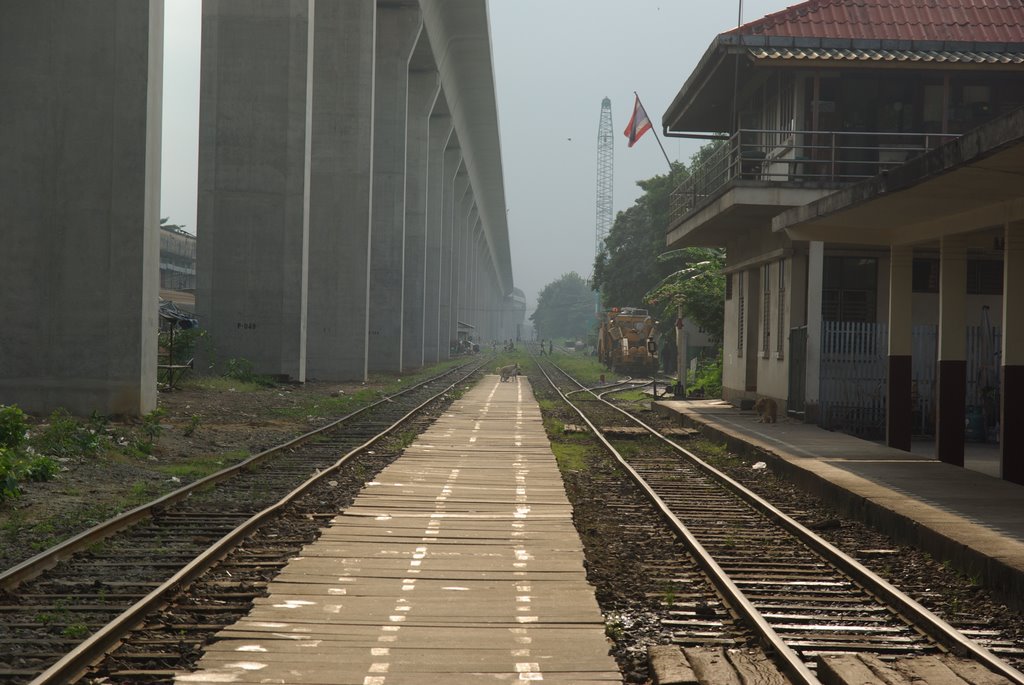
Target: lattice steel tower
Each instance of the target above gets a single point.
(605, 173)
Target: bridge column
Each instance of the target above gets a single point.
(440, 125)
(423, 91)
(952, 372)
(458, 297)
(453, 189)
(79, 204)
(340, 189)
(899, 409)
(398, 27)
(254, 182)
(1011, 428)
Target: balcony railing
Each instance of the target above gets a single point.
(799, 157)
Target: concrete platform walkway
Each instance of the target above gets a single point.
(458, 564)
(972, 519)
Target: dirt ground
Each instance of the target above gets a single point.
(202, 430)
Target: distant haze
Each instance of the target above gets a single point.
(554, 61)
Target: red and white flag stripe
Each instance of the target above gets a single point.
(638, 124)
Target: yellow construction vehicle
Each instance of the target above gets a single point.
(622, 341)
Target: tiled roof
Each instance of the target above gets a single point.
(990, 21)
(855, 55)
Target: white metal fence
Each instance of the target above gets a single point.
(854, 375)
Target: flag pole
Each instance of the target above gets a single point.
(654, 130)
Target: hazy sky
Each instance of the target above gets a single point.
(554, 61)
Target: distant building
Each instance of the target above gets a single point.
(177, 259)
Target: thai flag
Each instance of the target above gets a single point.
(638, 124)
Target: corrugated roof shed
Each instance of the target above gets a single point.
(990, 21)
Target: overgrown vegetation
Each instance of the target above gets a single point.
(20, 462)
(707, 379)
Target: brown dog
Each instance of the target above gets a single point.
(509, 371)
(767, 410)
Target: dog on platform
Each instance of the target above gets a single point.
(510, 371)
(767, 410)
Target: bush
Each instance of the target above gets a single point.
(13, 426)
(16, 466)
(63, 436)
(243, 371)
(707, 379)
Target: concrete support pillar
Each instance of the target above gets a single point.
(434, 343)
(423, 90)
(455, 186)
(458, 225)
(462, 257)
(812, 378)
(952, 372)
(79, 204)
(398, 28)
(340, 189)
(254, 182)
(899, 405)
(1011, 428)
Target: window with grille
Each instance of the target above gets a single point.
(850, 289)
(740, 302)
(766, 314)
(780, 339)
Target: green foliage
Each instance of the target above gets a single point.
(13, 426)
(565, 308)
(696, 285)
(151, 430)
(64, 436)
(17, 467)
(626, 266)
(193, 424)
(243, 370)
(707, 378)
(630, 271)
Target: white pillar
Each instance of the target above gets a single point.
(815, 268)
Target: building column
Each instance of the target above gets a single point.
(440, 131)
(398, 28)
(341, 162)
(423, 91)
(815, 283)
(253, 216)
(1011, 428)
(79, 205)
(899, 402)
(951, 378)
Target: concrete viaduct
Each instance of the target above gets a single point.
(351, 200)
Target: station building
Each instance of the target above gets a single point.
(894, 327)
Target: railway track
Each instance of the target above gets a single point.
(68, 606)
(803, 597)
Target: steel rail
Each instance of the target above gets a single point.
(922, 618)
(76, 663)
(792, 662)
(47, 559)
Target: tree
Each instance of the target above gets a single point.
(698, 287)
(627, 265)
(633, 269)
(565, 308)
